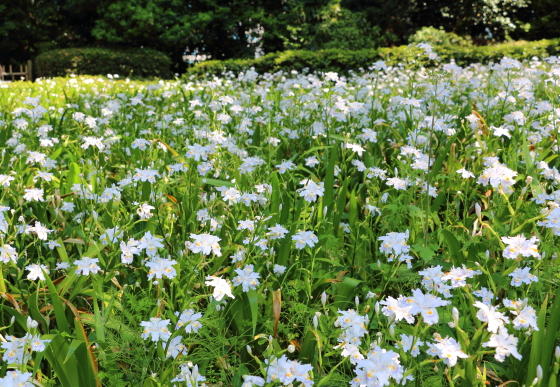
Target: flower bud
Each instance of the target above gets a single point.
(539, 372)
(31, 324)
(487, 254)
(557, 353)
(324, 299)
(455, 315)
(392, 330)
(384, 197)
(478, 210)
(377, 308)
(291, 348)
(249, 350)
(315, 322)
(357, 300)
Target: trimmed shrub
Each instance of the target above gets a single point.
(343, 61)
(101, 61)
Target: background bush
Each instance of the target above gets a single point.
(343, 61)
(102, 61)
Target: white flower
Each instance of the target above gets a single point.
(353, 326)
(145, 175)
(160, 267)
(5, 180)
(190, 377)
(520, 246)
(94, 142)
(522, 276)
(144, 211)
(87, 266)
(251, 381)
(305, 238)
(485, 294)
(458, 276)
(397, 183)
(285, 166)
(287, 371)
(352, 351)
(398, 309)
(33, 194)
(498, 176)
(311, 161)
(52, 244)
(505, 345)
(526, 318)
(356, 148)
(150, 243)
(426, 304)
(377, 369)
(464, 173)
(156, 329)
(110, 235)
(16, 378)
(394, 243)
(500, 131)
(128, 250)
(189, 319)
(311, 190)
(205, 244)
(40, 230)
(221, 287)
(175, 348)
(410, 343)
(36, 272)
(277, 232)
(279, 269)
(247, 278)
(450, 351)
(490, 314)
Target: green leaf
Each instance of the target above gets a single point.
(549, 339)
(59, 312)
(537, 344)
(424, 252)
(254, 305)
(454, 247)
(218, 183)
(72, 348)
(73, 177)
(346, 292)
(329, 178)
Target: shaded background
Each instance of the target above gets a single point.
(244, 28)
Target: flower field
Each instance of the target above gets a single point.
(394, 226)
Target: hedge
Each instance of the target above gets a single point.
(343, 61)
(101, 61)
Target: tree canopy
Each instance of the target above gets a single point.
(238, 28)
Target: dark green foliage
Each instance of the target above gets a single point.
(543, 21)
(23, 24)
(239, 28)
(99, 61)
(345, 60)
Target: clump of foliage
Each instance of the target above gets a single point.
(344, 61)
(101, 61)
